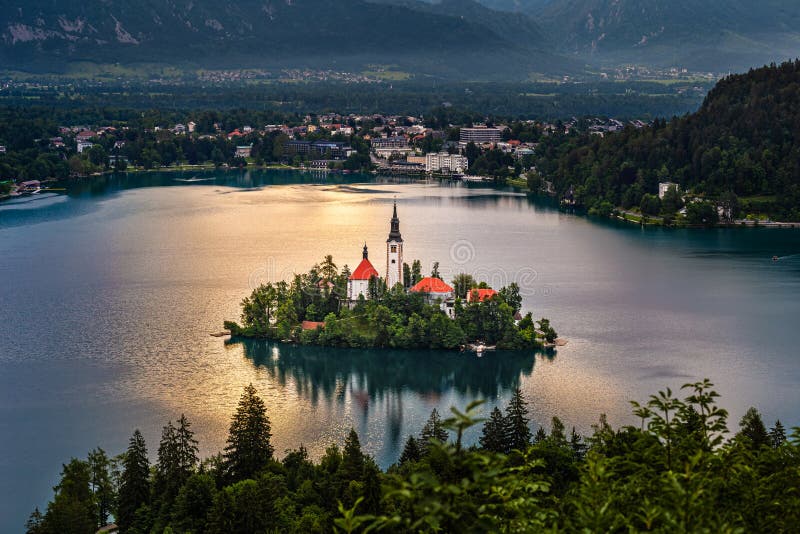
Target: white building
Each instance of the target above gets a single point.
(358, 283)
(394, 253)
(446, 163)
(84, 145)
(663, 187)
(479, 135)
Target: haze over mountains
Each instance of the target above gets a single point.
(508, 39)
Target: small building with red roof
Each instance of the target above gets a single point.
(480, 295)
(358, 283)
(435, 288)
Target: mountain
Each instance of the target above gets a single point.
(714, 35)
(744, 140)
(48, 34)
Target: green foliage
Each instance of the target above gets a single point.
(742, 142)
(248, 448)
(394, 317)
(134, 489)
(673, 472)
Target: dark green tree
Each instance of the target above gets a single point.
(101, 485)
(411, 451)
(518, 433)
(493, 437)
(134, 489)
(248, 449)
(753, 431)
(777, 435)
(73, 508)
(433, 430)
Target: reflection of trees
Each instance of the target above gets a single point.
(378, 374)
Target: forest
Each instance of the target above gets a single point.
(739, 150)
(389, 318)
(679, 469)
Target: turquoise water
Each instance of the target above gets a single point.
(110, 293)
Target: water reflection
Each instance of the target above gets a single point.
(382, 377)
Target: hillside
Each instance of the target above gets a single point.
(46, 35)
(744, 140)
(714, 35)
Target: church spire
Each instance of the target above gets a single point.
(394, 232)
(366, 254)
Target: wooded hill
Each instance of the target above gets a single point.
(745, 140)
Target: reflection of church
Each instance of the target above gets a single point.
(358, 284)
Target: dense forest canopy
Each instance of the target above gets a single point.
(677, 470)
(743, 140)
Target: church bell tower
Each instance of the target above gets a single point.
(394, 253)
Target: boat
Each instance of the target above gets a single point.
(775, 258)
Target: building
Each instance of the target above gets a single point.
(479, 135)
(244, 151)
(446, 163)
(434, 289)
(663, 187)
(394, 253)
(2, 149)
(358, 283)
(480, 295)
(320, 149)
(386, 147)
(84, 145)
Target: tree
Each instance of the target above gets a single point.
(134, 490)
(416, 272)
(493, 438)
(193, 503)
(518, 433)
(101, 485)
(753, 431)
(433, 430)
(777, 435)
(248, 449)
(411, 451)
(511, 295)
(352, 466)
(702, 213)
(34, 524)
(650, 205)
(672, 201)
(462, 283)
(177, 458)
(435, 271)
(73, 509)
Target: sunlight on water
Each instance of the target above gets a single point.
(114, 289)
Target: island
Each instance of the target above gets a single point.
(360, 309)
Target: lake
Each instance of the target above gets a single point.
(111, 290)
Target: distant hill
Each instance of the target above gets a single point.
(43, 34)
(715, 35)
(745, 140)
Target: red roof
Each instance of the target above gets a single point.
(432, 285)
(364, 271)
(313, 325)
(479, 295)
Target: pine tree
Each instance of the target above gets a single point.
(541, 435)
(352, 466)
(411, 451)
(433, 430)
(34, 523)
(557, 432)
(518, 434)
(248, 449)
(577, 445)
(73, 508)
(493, 437)
(101, 485)
(777, 435)
(753, 430)
(134, 490)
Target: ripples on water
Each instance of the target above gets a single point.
(112, 290)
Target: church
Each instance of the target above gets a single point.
(358, 284)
